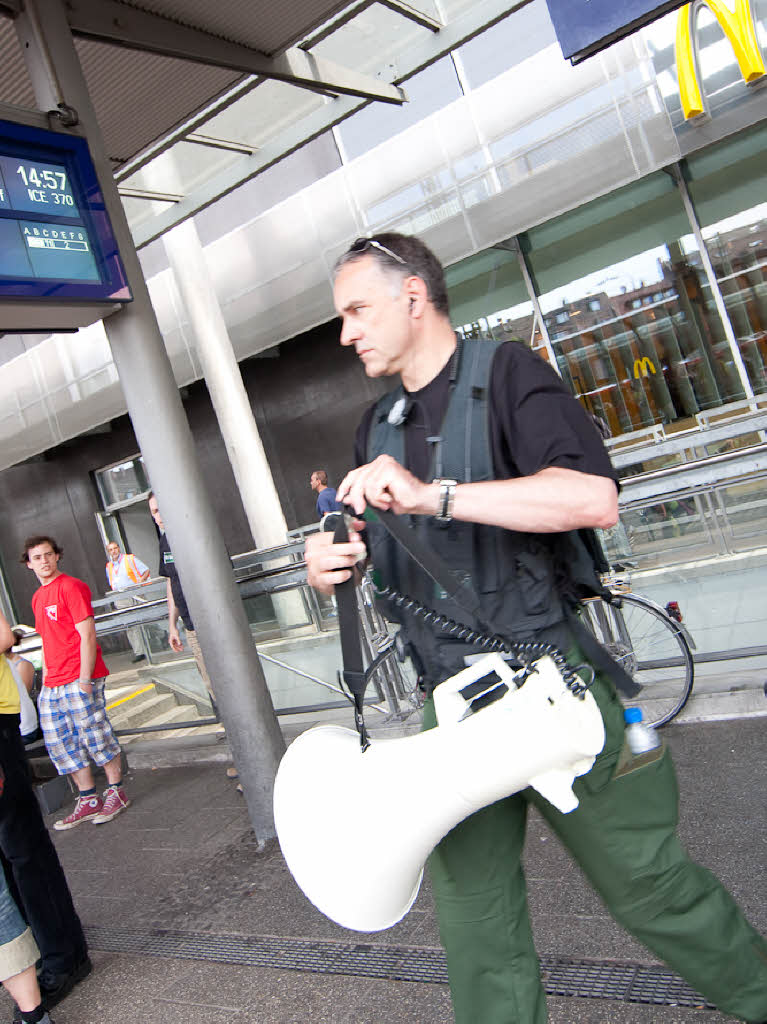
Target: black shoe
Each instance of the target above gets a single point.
(55, 987)
(18, 1019)
(138, 657)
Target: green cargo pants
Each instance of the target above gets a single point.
(623, 836)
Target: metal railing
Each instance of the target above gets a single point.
(389, 689)
(682, 505)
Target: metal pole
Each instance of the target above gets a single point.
(676, 173)
(163, 433)
(513, 245)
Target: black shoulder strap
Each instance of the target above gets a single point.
(465, 451)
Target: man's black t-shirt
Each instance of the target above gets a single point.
(535, 422)
(169, 570)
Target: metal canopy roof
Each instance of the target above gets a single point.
(152, 65)
(223, 90)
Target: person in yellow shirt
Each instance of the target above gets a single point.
(42, 891)
(9, 693)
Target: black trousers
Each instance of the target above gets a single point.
(35, 876)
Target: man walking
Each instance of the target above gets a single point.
(124, 571)
(492, 462)
(71, 705)
(177, 606)
(326, 496)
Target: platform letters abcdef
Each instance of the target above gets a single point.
(584, 27)
(59, 263)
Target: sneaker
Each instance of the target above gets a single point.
(86, 809)
(115, 801)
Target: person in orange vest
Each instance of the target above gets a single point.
(125, 571)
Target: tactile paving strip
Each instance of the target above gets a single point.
(562, 976)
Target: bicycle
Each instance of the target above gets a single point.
(651, 645)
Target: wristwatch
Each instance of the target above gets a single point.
(446, 500)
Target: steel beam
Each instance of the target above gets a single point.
(111, 22)
(350, 13)
(181, 132)
(144, 193)
(473, 22)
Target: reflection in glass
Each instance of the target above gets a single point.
(640, 342)
(122, 482)
(738, 248)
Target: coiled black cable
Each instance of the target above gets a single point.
(528, 651)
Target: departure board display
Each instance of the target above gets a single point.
(56, 241)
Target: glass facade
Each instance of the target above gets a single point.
(627, 304)
(727, 185)
(503, 146)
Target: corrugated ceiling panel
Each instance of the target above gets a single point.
(139, 96)
(15, 86)
(267, 27)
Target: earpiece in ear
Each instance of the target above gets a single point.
(410, 307)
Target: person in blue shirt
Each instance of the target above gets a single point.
(326, 496)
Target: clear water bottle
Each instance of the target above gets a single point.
(641, 737)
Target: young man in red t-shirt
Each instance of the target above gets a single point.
(71, 705)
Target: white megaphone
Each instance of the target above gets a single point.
(376, 816)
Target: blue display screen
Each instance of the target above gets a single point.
(56, 241)
(584, 27)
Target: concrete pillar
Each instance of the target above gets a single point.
(227, 391)
(231, 404)
(166, 443)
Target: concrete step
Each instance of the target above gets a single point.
(177, 713)
(142, 709)
(723, 705)
(200, 701)
(171, 752)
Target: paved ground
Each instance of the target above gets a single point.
(176, 880)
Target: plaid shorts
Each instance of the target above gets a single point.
(75, 725)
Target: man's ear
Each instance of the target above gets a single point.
(417, 295)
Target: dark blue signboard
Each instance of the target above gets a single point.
(56, 240)
(584, 27)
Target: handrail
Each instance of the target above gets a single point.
(692, 438)
(747, 463)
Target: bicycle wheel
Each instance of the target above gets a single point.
(651, 647)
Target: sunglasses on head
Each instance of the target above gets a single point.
(363, 244)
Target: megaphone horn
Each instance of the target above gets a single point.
(342, 814)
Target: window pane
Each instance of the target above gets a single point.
(629, 310)
(122, 482)
(521, 35)
(488, 297)
(427, 93)
(727, 187)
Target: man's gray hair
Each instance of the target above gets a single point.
(402, 256)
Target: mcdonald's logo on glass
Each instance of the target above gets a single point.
(737, 23)
(644, 367)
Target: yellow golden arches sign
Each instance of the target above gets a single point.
(643, 367)
(738, 26)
